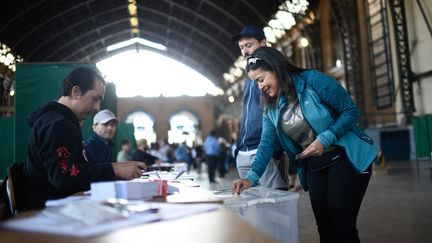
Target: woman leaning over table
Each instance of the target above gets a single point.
(313, 117)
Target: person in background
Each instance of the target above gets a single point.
(211, 149)
(123, 154)
(99, 147)
(314, 119)
(154, 150)
(222, 167)
(141, 153)
(197, 154)
(182, 154)
(276, 173)
(165, 151)
(56, 165)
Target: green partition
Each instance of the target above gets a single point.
(429, 132)
(110, 99)
(37, 84)
(109, 102)
(422, 126)
(7, 144)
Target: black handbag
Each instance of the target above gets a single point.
(325, 160)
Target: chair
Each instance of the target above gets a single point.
(15, 188)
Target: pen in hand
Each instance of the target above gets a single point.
(240, 185)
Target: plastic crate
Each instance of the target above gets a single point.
(272, 211)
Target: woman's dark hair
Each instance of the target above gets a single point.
(82, 77)
(270, 59)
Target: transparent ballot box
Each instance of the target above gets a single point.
(272, 211)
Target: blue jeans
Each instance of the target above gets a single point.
(336, 194)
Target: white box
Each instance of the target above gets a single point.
(136, 189)
(103, 190)
(272, 211)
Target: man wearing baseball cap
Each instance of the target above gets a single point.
(249, 39)
(99, 147)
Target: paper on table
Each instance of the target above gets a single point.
(251, 196)
(183, 183)
(168, 175)
(66, 200)
(88, 213)
(60, 225)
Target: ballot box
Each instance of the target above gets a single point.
(272, 211)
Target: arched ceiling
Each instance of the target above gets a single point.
(195, 32)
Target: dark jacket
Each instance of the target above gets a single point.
(98, 151)
(55, 165)
(251, 124)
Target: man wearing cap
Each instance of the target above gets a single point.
(276, 173)
(99, 147)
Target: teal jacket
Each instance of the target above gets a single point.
(330, 112)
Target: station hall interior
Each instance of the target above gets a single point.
(378, 50)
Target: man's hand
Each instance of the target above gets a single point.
(240, 185)
(128, 170)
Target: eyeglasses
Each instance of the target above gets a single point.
(253, 60)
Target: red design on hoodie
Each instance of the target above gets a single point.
(63, 155)
(74, 171)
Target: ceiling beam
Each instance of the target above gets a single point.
(77, 40)
(196, 29)
(69, 28)
(52, 18)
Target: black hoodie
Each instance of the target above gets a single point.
(55, 165)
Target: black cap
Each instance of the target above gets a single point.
(250, 31)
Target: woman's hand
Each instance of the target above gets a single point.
(240, 185)
(313, 150)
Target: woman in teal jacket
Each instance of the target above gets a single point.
(314, 119)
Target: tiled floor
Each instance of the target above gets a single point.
(397, 207)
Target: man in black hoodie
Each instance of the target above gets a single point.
(56, 165)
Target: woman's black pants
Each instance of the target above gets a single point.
(336, 194)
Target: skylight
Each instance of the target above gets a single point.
(150, 74)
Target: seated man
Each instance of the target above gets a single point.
(56, 165)
(99, 147)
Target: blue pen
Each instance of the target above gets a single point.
(179, 174)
